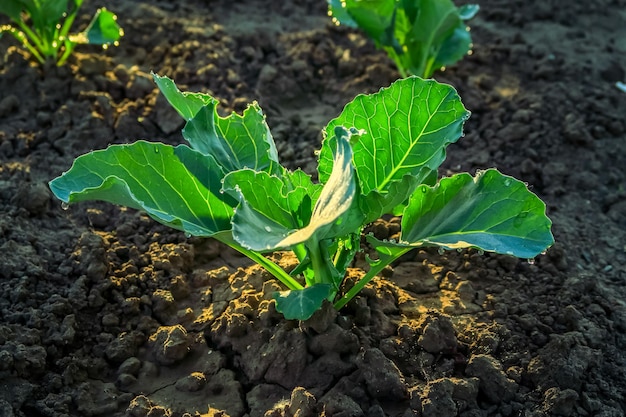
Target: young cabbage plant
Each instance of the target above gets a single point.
(379, 156)
(42, 27)
(420, 36)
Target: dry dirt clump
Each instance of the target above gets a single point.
(103, 312)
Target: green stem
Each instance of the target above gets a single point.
(22, 38)
(374, 270)
(399, 64)
(428, 70)
(300, 251)
(345, 252)
(270, 266)
(69, 47)
(40, 44)
(69, 20)
(320, 265)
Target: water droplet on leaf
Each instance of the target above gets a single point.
(441, 251)
(65, 206)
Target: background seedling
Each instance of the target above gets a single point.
(421, 36)
(42, 27)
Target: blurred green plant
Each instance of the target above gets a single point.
(420, 36)
(42, 27)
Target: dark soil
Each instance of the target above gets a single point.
(103, 312)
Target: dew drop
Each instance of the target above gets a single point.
(268, 229)
(187, 235)
(531, 261)
(105, 46)
(459, 250)
(507, 182)
(441, 251)
(65, 206)
(481, 252)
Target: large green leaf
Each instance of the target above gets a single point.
(334, 213)
(405, 130)
(236, 142)
(301, 304)
(185, 103)
(272, 210)
(490, 211)
(152, 177)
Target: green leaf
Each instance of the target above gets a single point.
(46, 14)
(236, 142)
(186, 104)
(103, 28)
(273, 210)
(454, 47)
(332, 215)
(337, 9)
(490, 211)
(405, 129)
(11, 8)
(270, 208)
(301, 304)
(375, 17)
(468, 11)
(152, 177)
